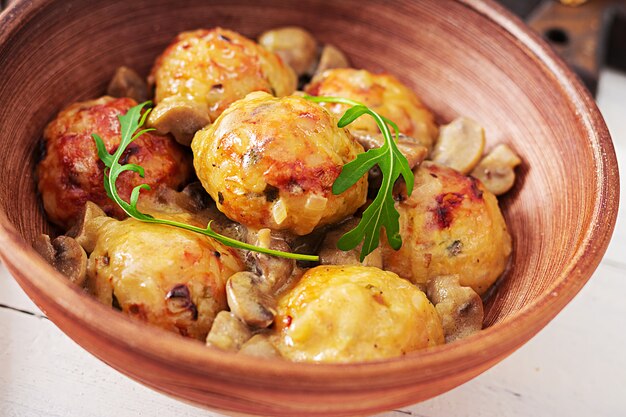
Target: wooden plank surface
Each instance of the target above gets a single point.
(574, 367)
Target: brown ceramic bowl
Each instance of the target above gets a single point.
(465, 57)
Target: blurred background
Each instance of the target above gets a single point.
(588, 34)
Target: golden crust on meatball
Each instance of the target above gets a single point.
(165, 276)
(271, 162)
(450, 225)
(354, 313)
(216, 67)
(384, 94)
(70, 174)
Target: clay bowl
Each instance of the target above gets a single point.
(464, 57)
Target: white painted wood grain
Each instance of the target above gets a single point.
(45, 374)
(612, 102)
(11, 295)
(575, 367)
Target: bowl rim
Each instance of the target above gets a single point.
(488, 346)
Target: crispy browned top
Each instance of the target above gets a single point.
(216, 67)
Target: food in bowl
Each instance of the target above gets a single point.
(313, 234)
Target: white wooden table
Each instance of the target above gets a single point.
(575, 367)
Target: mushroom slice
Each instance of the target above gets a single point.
(260, 346)
(274, 271)
(127, 83)
(193, 199)
(295, 46)
(197, 197)
(65, 254)
(411, 148)
(180, 117)
(178, 302)
(330, 255)
(414, 151)
(330, 58)
(460, 308)
(460, 145)
(228, 332)
(248, 302)
(85, 231)
(496, 170)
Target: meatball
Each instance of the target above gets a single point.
(214, 68)
(451, 225)
(271, 162)
(354, 313)
(165, 276)
(384, 94)
(70, 173)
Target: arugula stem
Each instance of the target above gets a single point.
(234, 243)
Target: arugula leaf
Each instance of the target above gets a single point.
(129, 125)
(392, 163)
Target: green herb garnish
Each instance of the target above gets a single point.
(392, 163)
(129, 125)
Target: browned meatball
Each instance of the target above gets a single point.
(383, 93)
(451, 225)
(271, 163)
(213, 68)
(169, 277)
(71, 173)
